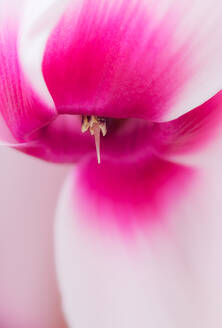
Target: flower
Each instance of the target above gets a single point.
(145, 79)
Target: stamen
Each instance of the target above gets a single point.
(95, 125)
(96, 132)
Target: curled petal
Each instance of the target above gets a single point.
(190, 132)
(134, 58)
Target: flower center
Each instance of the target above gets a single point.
(95, 125)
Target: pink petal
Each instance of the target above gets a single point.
(28, 288)
(165, 276)
(134, 59)
(192, 131)
(61, 141)
(122, 196)
(20, 107)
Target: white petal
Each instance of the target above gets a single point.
(37, 21)
(28, 288)
(169, 276)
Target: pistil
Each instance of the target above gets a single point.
(95, 125)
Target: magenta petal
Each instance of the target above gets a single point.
(129, 195)
(191, 131)
(114, 61)
(188, 134)
(20, 106)
(61, 141)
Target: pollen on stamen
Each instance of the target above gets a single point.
(95, 125)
